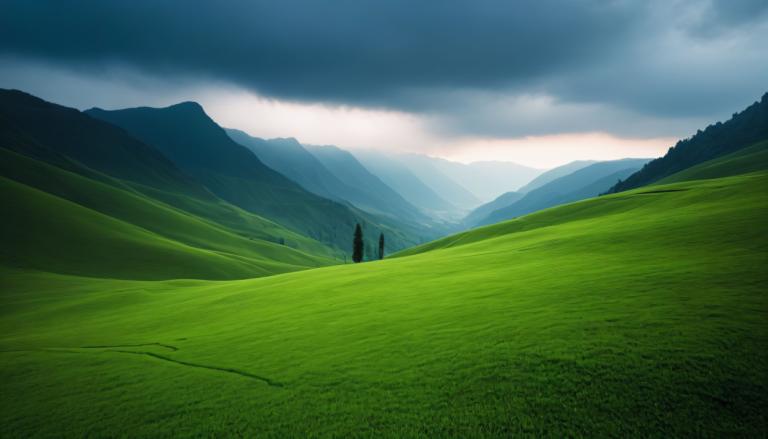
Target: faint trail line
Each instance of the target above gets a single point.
(167, 346)
(203, 366)
(265, 380)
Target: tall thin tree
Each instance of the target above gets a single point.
(381, 246)
(357, 245)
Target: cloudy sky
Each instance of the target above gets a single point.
(536, 82)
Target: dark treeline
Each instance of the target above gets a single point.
(742, 130)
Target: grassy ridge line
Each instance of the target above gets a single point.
(647, 319)
(130, 202)
(152, 216)
(45, 232)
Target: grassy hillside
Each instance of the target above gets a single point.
(635, 314)
(62, 222)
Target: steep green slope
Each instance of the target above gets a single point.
(587, 182)
(71, 224)
(202, 149)
(635, 314)
(742, 130)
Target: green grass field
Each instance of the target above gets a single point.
(66, 223)
(642, 313)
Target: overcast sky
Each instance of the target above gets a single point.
(536, 82)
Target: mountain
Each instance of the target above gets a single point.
(587, 182)
(480, 213)
(509, 198)
(336, 176)
(130, 214)
(743, 129)
(202, 149)
(288, 157)
(487, 180)
(65, 136)
(429, 170)
(370, 193)
(397, 176)
(554, 174)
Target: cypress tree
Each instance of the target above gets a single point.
(381, 246)
(357, 245)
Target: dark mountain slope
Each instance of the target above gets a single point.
(742, 130)
(60, 135)
(290, 158)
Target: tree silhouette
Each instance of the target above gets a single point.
(357, 244)
(381, 246)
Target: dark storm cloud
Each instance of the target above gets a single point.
(413, 55)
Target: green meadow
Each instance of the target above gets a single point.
(642, 313)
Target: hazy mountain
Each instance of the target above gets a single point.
(370, 193)
(487, 180)
(288, 157)
(428, 170)
(202, 149)
(480, 213)
(587, 182)
(409, 186)
(554, 174)
(742, 130)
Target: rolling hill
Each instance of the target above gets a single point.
(63, 222)
(632, 314)
(587, 182)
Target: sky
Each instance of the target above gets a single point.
(540, 83)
